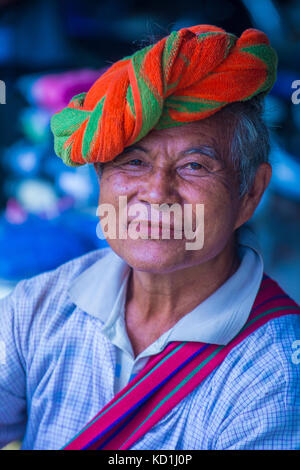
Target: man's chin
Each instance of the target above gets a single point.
(157, 256)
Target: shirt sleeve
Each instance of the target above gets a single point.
(12, 372)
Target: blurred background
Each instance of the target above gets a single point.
(51, 50)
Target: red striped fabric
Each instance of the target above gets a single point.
(169, 377)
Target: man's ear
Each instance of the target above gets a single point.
(251, 199)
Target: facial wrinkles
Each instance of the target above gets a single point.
(210, 140)
(163, 149)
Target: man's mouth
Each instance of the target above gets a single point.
(156, 229)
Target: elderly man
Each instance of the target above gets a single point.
(153, 343)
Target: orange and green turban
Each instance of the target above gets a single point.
(186, 76)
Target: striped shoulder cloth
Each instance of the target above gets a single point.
(169, 377)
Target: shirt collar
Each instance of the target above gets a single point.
(96, 289)
(101, 291)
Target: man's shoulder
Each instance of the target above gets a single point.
(47, 292)
(264, 366)
(42, 301)
(272, 342)
(259, 375)
(273, 338)
(62, 276)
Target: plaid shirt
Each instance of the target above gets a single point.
(60, 364)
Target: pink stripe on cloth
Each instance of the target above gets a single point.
(268, 289)
(165, 398)
(186, 388)
(128, 401)
(160, 395)
(162, 392)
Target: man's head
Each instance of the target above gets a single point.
(178, 122)
(220, 162)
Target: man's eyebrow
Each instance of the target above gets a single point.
(133, 147)
(205, 150)
(127, 150)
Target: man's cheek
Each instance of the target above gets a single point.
(217, 220)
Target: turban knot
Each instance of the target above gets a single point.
(186, 76)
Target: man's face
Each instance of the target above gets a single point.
(187, 164)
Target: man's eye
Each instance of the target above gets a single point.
(134, 162)
(194, 166)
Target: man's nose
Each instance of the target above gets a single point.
(158, 187)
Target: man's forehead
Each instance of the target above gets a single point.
(209, 134)
(205, 127)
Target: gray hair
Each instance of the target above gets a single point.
(250, 141)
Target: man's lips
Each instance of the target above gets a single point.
(156, 227)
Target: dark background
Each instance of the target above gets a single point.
(52, 50)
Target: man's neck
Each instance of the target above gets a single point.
(156, 302)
